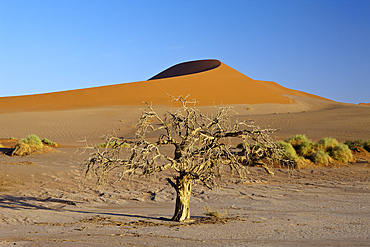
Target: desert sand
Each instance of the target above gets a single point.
(42, 204)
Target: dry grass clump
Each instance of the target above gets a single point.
(326, 144)
(325, 152)
(321, 158)
(33, 141)
(342, 153)
(48, 142)
(31, 145)
(296, 140)
(289, 150)
(214, 213)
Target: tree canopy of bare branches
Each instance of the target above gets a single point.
(202, 145)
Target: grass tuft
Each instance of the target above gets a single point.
(296, 140)
(326, 144)
(33, 141)
(321, 158)
(342, 153)
(213, 213)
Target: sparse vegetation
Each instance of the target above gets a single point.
(342, 153)
(30, 144)
(48, 142)
(296, 140)
(325, 152)
(358, 143)
(321, 158)
(326, 144)
(214, 212)
(33, 141)
(289, 150)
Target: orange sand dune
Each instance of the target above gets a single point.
(208, 81)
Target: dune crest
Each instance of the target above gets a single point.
(188, 68)
(208, 81)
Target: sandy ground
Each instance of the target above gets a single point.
(42, 204)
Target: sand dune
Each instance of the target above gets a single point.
(42, 204)
(208, 81)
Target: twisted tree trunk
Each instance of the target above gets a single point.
(183, 192)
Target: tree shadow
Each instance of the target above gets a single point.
(32, 203)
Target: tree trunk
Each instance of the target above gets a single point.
(183, 191)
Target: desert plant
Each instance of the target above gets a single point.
(33, 141)
(354, 143)
(48, 142)
(306, 149)
(214, 212)
(289, 150)
(321, 158)
(342, 153)
(326, 144)
(296, 140)
(201, 144)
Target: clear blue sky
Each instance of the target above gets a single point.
(319, 46)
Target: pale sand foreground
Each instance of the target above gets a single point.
(42, 205)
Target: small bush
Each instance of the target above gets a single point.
(296, 140)
(321, 158)
(50, 143)
(342, 153)
(326, 144)
(33, 141)
(289, 150)
(306, 149)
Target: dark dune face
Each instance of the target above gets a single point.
(188, 68)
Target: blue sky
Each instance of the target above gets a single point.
(321, 47)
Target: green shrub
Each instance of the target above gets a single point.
(306, 149)
(342, 153)
(33, 141)
(48, 142)
(296, 140)
(289, 150)
(326, 144)
(321, 158)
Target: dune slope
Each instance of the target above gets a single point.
(208, 81)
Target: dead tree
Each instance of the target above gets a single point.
(202, 145)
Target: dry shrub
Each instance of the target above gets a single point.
(321, 158)
(50, 143)
(342, 153)
(306, 149)
(326, 144)
(213, 213)
(289, 150)
(33, 141)
(296, 140)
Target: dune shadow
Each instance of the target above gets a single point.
(188, 68)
